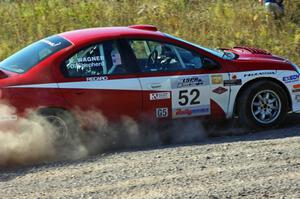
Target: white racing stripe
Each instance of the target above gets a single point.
(49, 85)
(122, 84)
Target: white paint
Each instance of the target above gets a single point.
(120, 84)
(225, 101)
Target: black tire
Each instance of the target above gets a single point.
(255, 109)
(65, 128)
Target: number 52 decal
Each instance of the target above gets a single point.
(187, 97)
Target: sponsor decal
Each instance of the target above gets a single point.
(296, 86)
(233, 82)
(291, 78)
(216, 79)
(183, 112)
(8, 118)
(86, 62)
(200, 111)
(296, 90)
(81, 66)
(103, 78)
(191, 111)
(160, 96)
(162, 112)
(220, 90)
(89, 59)
(262, 73)
(297, 98)
(192, 81)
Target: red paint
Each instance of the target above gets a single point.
(115, 103)
(216, 111)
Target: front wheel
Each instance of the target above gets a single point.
(263, 105)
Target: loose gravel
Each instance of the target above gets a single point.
(260, 165)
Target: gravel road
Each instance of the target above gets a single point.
(260, 165)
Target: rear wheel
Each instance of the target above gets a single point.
(263, 105)
(63, 126)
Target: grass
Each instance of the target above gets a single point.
(214, 23)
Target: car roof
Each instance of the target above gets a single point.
(78, 37)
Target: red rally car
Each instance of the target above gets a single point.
(138, 71)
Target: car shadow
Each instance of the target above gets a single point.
(231, 132)
(225, 134)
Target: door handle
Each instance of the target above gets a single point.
(79, 92)
(155, 85)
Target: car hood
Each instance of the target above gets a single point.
(248, 58)
(254, 54)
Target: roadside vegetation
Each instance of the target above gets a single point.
(214, 23)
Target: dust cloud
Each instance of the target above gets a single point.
(32, 141)
(29, 141)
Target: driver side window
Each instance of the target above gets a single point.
(153, 56)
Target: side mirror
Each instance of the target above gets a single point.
(210, 64)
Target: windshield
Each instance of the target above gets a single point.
(216, 52)
(33, 54)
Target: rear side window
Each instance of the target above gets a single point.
(33, 54)
(99, 59)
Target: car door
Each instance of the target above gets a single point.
(96, 78)
(176, 84)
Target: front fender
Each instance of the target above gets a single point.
(291, 80)
(249, 77)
